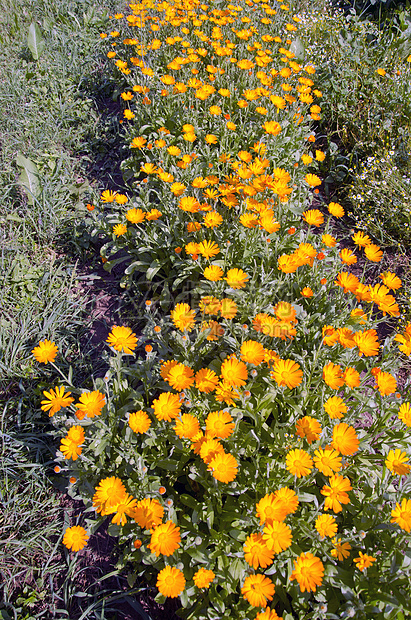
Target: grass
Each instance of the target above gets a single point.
(48, 113)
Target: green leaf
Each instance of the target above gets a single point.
(35, 41)
(29, 178)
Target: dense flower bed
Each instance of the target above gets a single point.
(250, 446)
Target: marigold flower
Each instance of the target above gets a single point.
(306, 292)
(361, 239)
(45, 351)
(373, 253)
(252, 352)
(277, 536)
(313, 217)
(287, 372)
(405, 340)
(208, 249)
(342, 550)
(332, 375)
(234, 372)
(55, 400)
(122, 339)
(171, 581)
(108, 196)
(70, 445)
(236, 278)
(345, 439)
(75, 538)
(167, 406)
(299, 463)
(386, 383)
(187, 426)
(214, 273)
(203, 578)
(313, 181)
(397, 462)
(335, 407)
(183, 317)
(348, 281)
(351, 377)
(165, 539)
(329, 241)
(272, 127)
(404, 413)
(308, 427)
(308, 571)
(219, 424)
(327, 461)
(148, 513)
(348, 257)
(206, 380)
(228, 308)
(124, 509)
(391, 280)
(212, 219)
(135, 216)
(180, 377)
(401, 515)
(224, 467)
(139, 422)
(109, 493)
(326, 525)
(335, 209)
(258, 590)
(336, 493)
(90, 405)
(256, 552)
(226, 393)
(364, 561)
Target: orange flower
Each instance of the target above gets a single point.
(287, 372)
(345, 439)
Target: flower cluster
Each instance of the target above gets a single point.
(235, 445)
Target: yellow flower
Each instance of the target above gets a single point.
(258, 590)
(165, 539)
(206, 380)
(122, 339)
(135, 216)
(335, 209)
(312, 180)
(90, 405)
(308, 571)
(45, 351)
(236, 278)
(139, 422)
(224, 467)
(326, 525)
(234, 372)
(203, 578)
(299, 463)
(183, 317)
(214, 273)
(171, 581)
(167, 406)
(401, 515)
(397, 462)
(119, 230)
(219, 424)
(342, 550)
(137, 143)
(256, 552)
(272, 127)
(187, 426)
(55, 400)
(313, 217)
(364, 561)
(75, 538)
(277, 536)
